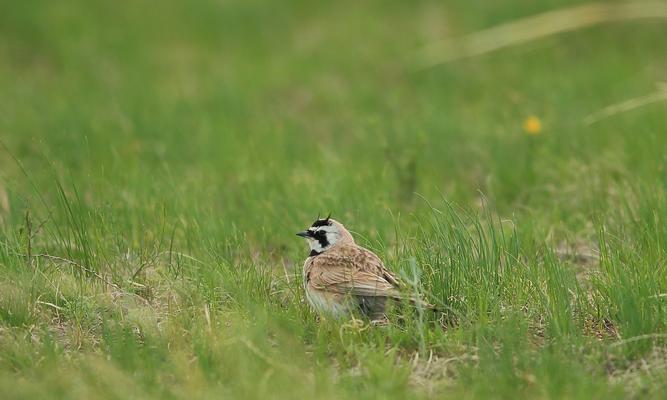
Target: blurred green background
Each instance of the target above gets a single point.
(173, 149)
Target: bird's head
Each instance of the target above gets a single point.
(325, 233)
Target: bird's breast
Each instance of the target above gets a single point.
(323, 302)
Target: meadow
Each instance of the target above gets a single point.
(157, 159)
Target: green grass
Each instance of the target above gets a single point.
(157, 159)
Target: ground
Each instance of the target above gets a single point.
(156, 160)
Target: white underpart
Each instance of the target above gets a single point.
(324, 305)
(317, 300)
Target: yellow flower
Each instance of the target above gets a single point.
(532, 125)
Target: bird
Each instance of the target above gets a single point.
(342, 278)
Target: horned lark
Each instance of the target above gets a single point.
(341, 277)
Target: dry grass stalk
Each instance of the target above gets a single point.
(536, 27)
(628, 105)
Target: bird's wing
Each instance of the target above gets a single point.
(355, 271)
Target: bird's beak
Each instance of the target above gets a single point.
(304, 234)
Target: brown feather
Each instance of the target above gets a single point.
(347, 276)
(352, 270)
